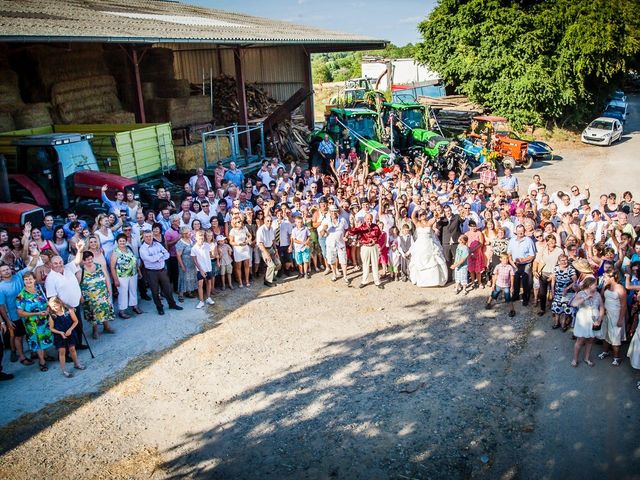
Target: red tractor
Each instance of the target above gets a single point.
(56, 173)
(494, 133)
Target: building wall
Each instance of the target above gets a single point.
(405, 72)
(280, 71)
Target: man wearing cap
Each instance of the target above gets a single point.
(334, 229)
(368, 234)
(265, 238)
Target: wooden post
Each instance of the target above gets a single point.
(140, 113)
(243, 118)
(308, 82)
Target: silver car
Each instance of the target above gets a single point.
(602, 131)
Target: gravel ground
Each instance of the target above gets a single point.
(364, 384)
(403, 382)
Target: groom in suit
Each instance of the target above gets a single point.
(449, 226)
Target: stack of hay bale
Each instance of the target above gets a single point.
(166, 98)
(79, 85)
(14, 113)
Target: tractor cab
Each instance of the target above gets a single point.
(59, 171)
(408, 121)
(353, 127)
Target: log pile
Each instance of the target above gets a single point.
(453, 112)
(288, 138)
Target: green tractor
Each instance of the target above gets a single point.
(410, 133)
(351, 127)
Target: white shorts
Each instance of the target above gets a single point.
(334, 253)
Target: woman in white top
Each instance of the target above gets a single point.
(105, 235)
(240, 240)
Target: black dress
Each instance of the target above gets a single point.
(62, 324)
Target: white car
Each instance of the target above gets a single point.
(603, 131)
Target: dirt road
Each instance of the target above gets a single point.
(352, 384)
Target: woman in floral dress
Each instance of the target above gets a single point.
(31, 304)
(563, 277)
(96, 294)
(187, 281)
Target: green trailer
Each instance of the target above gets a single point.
(136, 151)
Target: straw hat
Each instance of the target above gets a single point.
(582, 266)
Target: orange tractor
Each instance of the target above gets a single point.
(495, 135)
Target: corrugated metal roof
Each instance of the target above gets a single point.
(153, 21)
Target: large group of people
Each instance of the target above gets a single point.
(565, 253)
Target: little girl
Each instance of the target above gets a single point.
(460, 267)
(224, 261)
(394, 260)
(62, 324)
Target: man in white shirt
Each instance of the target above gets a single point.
(265, 239)
(576, 196)
(62, 282)
(201, 255)
(205, 215)
(535, 185)
(366, 208)
(283, 236)
(334, 228)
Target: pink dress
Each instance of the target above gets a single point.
(477, 260)
(383, 256)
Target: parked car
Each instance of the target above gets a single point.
(618, 96)
(602, 131)
(616, 109)
(536, 149)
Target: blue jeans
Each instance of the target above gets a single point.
(507, 293)
(323, 245)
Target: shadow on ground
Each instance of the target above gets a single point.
(431, 397)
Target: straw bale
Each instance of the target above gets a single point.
(180, 88)
(60, 89)
(6, 122)
(32, 115)
(10, 99)
(55, 65)
(148, 90)
(179, 111)
(116, 118)
(191, 157)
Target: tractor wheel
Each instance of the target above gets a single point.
(528, 161)
(508, 162)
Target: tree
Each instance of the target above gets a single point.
(320, 72)
(550, 60)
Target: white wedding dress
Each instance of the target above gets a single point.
(427, 266)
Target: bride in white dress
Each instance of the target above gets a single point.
(427, 266)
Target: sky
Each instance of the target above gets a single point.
(393, 20)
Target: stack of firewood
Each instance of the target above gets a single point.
(453, 112)
(288, 138)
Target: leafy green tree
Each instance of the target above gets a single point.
(533, 61)
(320, 72)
